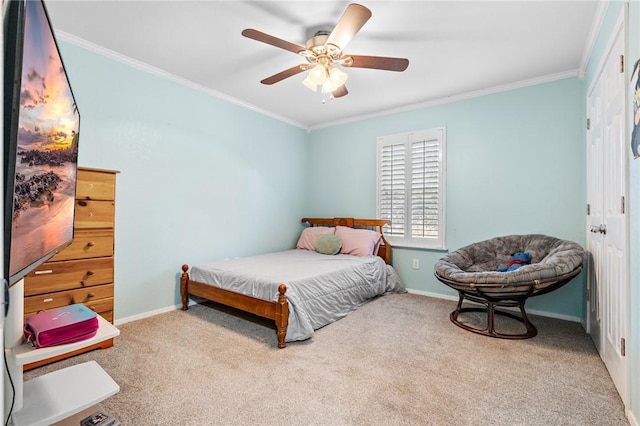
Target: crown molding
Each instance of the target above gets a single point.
(77, 41)
(456, 98)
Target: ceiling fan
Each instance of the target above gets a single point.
(324, 53)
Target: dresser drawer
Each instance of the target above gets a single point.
(87, 243)
(94, 214)
(104, 309)
(93, 185)
(68, 275)
(108, 315)
(33, 304)
(102, 305)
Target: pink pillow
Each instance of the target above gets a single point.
(311, 234)
(358, 242)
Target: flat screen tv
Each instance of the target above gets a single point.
(41, 134)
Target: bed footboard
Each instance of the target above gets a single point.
(282, 315)
(277, 311)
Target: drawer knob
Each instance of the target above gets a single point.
(89, 273)
(82, 203)
(91, 295)
(91, 244)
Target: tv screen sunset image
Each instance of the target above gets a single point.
(47, 153)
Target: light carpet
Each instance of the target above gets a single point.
(397, 360)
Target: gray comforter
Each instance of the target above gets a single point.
(320, 288)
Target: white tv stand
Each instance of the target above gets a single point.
(54, 396)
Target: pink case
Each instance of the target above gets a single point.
(61, 325)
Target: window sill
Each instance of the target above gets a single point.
(409, 246)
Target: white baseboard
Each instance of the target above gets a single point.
(529, 311)
(151, 313)
(633, 421)
(435, 295)
(418, 292)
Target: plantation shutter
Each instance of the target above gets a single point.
(411, 187)
(425, 188)
(393, 192)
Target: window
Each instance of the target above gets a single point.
(410, 187)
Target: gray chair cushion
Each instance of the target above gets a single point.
(477, 263)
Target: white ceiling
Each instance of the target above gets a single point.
(454, 47)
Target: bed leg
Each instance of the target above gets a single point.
(184, 283)
(282, 316)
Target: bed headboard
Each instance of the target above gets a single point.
(375, 224)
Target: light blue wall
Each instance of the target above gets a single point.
(197, 168)
(201, 178)
(515, 164)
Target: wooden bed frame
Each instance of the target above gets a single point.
(277, 311)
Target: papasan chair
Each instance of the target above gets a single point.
(472, 271)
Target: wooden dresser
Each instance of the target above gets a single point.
(83, 271)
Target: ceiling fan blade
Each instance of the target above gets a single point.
(273, 41)
(340, 91)
(349, 24)
(283, 74)
(379, 62)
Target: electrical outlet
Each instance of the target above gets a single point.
(416, 263)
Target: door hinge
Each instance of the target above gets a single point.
(621, 64)
(588, 124)
(622, 204)
(623, 350)
(588, 295)
(588, 209)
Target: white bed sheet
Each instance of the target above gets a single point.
(320, 288)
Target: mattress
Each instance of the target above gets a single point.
(320, 288)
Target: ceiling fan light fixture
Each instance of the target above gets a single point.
(327, 87)
(337, 77)
(310, 84)
(318, 74)
(333, 79)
